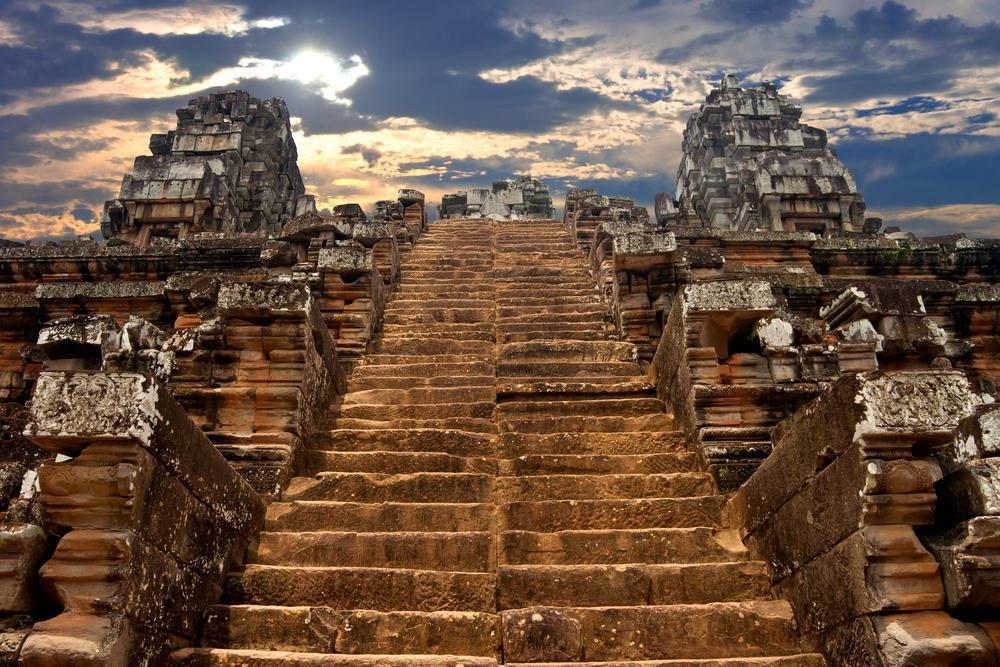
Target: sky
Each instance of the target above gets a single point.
(441, 95)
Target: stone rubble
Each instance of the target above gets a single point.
(521, 198)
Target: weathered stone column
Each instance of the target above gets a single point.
(153, 516)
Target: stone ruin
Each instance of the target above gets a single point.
(229, 168)
(521, 198)
(329, 438)
(749, 164)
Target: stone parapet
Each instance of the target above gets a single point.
(151, 513)
(837, 509)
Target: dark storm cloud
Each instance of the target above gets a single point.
(752, 11)
(890, 51)
(369, 155)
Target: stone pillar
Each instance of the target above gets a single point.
(152, 517)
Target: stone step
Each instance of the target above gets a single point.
(618, 513)
(515, 390)
(797, 660)
(470, 424)
(398, 333)
(222, 657)
(452, 552)
(431, 345)
(382, 359)
(552, 334)
(435, 487)
(567, 310)
(315, 461)
(513, 445)
(713, 630)
(587, 424)
(431, 315)
(565, 369)
(379, 589)
(381, 412)
(582, 298)
(400, 304)
(566, 350)
(595, 464)
(604, 487)
(320, 515)
(610, 547)
(328, 630)
(587, 406)
(427, 395)
(630, 584)
(411, 382)
(595, 327)
(424, 369)
(459, 443)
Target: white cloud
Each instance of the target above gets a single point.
(187, 19)
(972, 219)
(8, 34)
(157, 78)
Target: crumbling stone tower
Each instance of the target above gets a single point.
(750, 164)
(229, 167)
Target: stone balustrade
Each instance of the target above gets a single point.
(151, 513)
(837, 511)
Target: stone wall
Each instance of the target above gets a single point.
(845, 507)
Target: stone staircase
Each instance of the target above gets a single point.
(499, 485)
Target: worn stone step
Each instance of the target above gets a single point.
(362, 588)
(400, 304)
(509, 390)
(427, 332)
(319, 515)
(654, 422)
(713, 630)
(595, 327)
(381, 412)
(552, 334)
(615, 513)
(452, 552)
(565, 369)
(513, 445)
(587, 406)
(471, 424)
(328, 630)
(567, 311)
(576, 351)
(429, 315)
(645, 545)
(431, 345)
(797, 660)
(381, 359)
(374, 487)
(412, 382)
(600, 487)
(221, 657)
(315, 461)
(420, 395)
(460, 443)
(425, 369)
(576, 464)
(630, 584)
